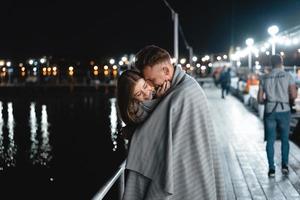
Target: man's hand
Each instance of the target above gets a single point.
(162, 89)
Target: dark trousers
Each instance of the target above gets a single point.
(225, 89)
(277, 121)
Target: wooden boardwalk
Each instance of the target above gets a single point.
(240, 134)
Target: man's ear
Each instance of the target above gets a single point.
(166, 70)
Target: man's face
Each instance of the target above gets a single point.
(156, 75)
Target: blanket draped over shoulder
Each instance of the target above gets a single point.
(174, 153)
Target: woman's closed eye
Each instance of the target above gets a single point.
(138, 94)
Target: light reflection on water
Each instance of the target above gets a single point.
(12, 148)
(45, 154)
(40, 149)
(113, 122)
(33, 130)
(1, 138)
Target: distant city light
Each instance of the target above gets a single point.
(219, 58)
(121, 63)
(30, 62)
(115, 67)
(124, 58)
(188, 65)
(210, 64)
(23, 69)
(282, 53)
(256, 62)
(194, 58)
(71, 68)
(249, 42)
(8, 63)
(49, 69)
(182, 61)
(92, 62)
(42, 60)
(238, 63)
(258, 67)
(105, 67)
(2, 63)
(267, 53)
(4, 69)
(273, 30)
(112, 61)
(35, 63)
(225, 57)
(203, 67)
(95, 67)
(21, 65)
(173, 60)
(54, 69)
(34, 69)
(198, 65)
(298, 50)
(44, 69)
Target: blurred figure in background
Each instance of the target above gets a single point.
(225, 81)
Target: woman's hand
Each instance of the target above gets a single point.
(162, 89)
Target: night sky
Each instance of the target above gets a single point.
(101, 29)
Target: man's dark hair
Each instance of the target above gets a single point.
(151, 55)
(276, 60)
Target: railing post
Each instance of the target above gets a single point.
(121, 185)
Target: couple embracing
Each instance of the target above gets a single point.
(173, 152)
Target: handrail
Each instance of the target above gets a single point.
(103, 191)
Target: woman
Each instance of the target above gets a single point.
(136, 99)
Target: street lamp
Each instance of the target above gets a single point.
(249, 43)
(112, 61)
(273, 30)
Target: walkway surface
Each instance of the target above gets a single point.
(240, 135)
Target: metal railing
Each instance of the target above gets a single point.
(119, 175)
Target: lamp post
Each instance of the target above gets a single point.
(176, 28)
(249, 43)
(273, 30)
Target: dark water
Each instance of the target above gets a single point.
(57, 147)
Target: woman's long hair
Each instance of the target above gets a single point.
(128, 107)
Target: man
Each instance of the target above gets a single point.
(274, 91)
(173, 154)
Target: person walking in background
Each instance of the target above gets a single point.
(225, 81)
(275, 90)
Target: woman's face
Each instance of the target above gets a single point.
(142, 91)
